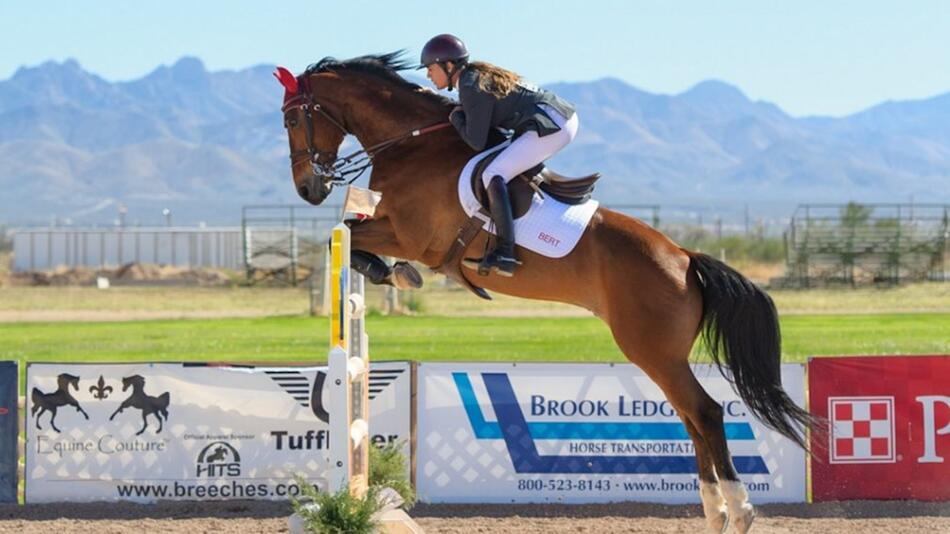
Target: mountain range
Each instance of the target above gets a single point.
(74, 146)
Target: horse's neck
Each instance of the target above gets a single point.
(376, 119)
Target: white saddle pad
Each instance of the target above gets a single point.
(549, 228)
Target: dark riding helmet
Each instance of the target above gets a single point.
(442, 48)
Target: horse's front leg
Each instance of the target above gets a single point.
(376, 236)
(118, 411)
(80, 410)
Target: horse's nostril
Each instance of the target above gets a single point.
(304, 192)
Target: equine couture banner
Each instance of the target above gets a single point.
(890, 427)
(579, 433)
(180, 431)
(9, 431)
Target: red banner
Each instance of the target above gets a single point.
(890, 427)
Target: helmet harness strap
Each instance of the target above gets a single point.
(459, 65)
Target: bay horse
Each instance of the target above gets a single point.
(655, 296)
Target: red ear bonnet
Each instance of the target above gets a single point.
(288, 80)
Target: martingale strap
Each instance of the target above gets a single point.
(451, 265)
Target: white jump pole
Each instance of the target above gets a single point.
(348, 372)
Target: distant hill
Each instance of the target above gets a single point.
(204, 143)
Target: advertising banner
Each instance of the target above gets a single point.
(9, 431)
(576, 433)
(145, 432)
(890, 427)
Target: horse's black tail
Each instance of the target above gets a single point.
(740, 329)
(35, 396)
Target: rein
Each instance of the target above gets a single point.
(338, 169)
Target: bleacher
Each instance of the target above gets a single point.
(855, 244)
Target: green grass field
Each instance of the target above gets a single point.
(302, 339)
(452, 325)
(433, 299)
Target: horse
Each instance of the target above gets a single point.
(157, 406)
(656, 297)
(220, 453)
(49, 402)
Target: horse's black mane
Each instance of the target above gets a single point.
(385, 66)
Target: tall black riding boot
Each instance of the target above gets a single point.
(502, 258)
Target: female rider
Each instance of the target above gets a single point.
(493, 97)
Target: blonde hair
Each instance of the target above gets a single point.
(494, 79)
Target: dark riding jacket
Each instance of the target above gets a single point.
(518, 111)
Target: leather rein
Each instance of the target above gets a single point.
(337, 170)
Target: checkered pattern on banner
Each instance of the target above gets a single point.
(862, 429)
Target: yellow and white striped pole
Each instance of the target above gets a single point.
(348, 372)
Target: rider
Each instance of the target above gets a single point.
(493, 97)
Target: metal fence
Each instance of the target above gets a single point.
(869, 243)
(50, 248)
(287, 243)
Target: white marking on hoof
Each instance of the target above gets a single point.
(742, 521)
(740, 509)
(714, 507)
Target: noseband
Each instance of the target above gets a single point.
(334, 170)
(326, 167)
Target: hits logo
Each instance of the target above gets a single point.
(218, 459)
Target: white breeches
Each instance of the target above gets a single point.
(528, 149)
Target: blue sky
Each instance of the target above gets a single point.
(809, 57)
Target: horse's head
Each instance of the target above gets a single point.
(134, 380)
(363, 96)
(314, 134)
(66, 380)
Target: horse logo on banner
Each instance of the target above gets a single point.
(50, 402)
(157, 406)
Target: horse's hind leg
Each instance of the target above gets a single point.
(714, 505)
(36, 418)
(709, 421)
(659, 342)
(705, 416)
(686, 395)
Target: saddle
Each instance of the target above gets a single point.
(520, 191)
(536, 179)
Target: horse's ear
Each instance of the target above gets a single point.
(287, 79)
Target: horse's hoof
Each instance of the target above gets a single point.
(405, 276)
(717, 523)
(742, 521)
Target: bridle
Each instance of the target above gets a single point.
(332, 169)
